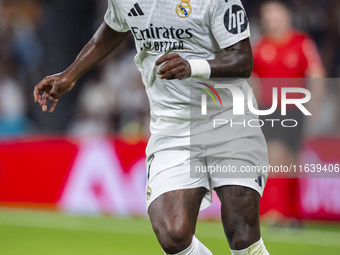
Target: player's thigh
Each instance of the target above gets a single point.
(239, 204)
(173, 197)
(176, 211)
(240, 208)
(240, 195)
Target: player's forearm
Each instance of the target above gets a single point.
(104, 41)
(235, 62)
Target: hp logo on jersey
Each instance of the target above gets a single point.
(236, 20)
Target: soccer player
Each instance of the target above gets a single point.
(177, 40)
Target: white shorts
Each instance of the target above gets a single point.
(228, 155)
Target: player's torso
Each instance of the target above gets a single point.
(168, 26)
(163, 26)
(190, 29)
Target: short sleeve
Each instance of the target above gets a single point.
(310, 51)
(229, 22)
(114, 19)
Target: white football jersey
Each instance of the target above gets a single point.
(196, 29)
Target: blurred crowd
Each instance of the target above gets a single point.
(42, 37)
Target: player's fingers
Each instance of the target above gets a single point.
(36, 94)
(173, 72)
(41, 87)
(53, 105)
(169, 66)
(43, 102)
(180, 76)
(169, 75)
(38, 91)
(166, 57)
(42, 98)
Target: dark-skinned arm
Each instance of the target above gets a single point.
(235, 62)
(104, 41)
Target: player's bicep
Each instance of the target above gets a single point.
(229, 22)
(242, 53)
(235, 62)
(243, 47)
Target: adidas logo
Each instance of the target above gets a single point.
(136, 11)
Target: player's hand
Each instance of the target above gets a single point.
(175, 67)
(52, 87)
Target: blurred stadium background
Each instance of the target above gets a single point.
(72, 182)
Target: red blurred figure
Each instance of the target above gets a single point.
(284, 52)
